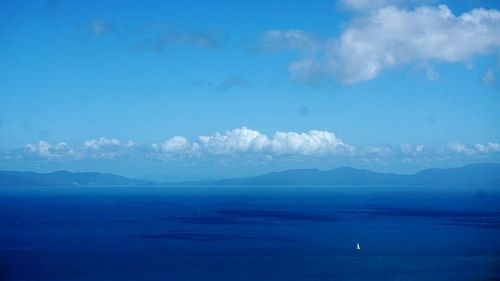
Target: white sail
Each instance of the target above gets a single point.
(358, 247)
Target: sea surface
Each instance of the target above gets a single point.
(250, 233)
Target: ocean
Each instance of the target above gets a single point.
(301, 233)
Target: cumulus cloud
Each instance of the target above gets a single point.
(241, 140)
(247, 141)
(177, 144)
(386, 151)
(102, 148)
(46, 150)
(388, 37)
(409, 149)
(460, 148)
(101, 143)
(310, 143)
(106, 147)
(487, 148)
(478, 148)
(248, 144)
(377, 151)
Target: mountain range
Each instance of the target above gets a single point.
(474, 174)
(64, 178)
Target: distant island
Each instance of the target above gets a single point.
(474, 174)
(64, 178)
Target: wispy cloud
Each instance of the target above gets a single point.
(368, 5)
(293, 39)
(202, 83)
(99, 27)
(230, 83)
(160, 36)
(489, 77)
(386, 37)
(233, 82)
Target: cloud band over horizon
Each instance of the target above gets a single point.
(242, 142)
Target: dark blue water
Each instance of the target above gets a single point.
(249, 233)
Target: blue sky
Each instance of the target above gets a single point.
(188, 90)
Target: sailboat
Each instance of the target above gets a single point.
(358, 247)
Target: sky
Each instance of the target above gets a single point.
(187, 90)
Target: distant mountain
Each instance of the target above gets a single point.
(477, 174)
(63, 178)
(474, 174)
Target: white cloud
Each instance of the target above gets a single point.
(131, 144)
(310, 143)
(490, 147)
(245, 143)
(175, 144)
(404, 150)
(106, 147)
(478, 148)
(44, 149)
(389, 37)
(411, 149)
(460, 148)
(382, 150)
(242, 140)
(363, 5)
(101, 143)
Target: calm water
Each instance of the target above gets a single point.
(249, 233)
